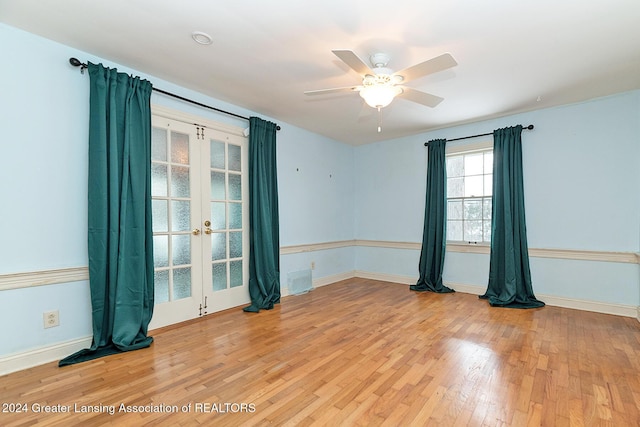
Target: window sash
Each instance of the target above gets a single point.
(469, 194)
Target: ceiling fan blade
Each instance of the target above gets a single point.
(332, 90)
(420, 97)
(353, 61)
(433, 65)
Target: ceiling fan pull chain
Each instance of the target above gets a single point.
(379, 120)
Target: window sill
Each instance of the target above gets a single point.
(464, 247)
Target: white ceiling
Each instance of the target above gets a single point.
(513, 55)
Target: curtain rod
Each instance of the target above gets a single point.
(426, 144)
(76, 63)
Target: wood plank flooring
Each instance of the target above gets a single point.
(358, 352)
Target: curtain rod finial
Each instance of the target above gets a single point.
(76, 63)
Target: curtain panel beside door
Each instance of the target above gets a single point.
(264, 228)
(120, 239)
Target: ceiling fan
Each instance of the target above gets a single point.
(380, 85)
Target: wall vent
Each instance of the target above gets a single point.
(299, 282)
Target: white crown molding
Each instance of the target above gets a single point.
(312, 247)
(41, 278)
(76, 274)
(389, 244)
(574, 254)
(602, 256)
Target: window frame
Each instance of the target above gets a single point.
(460, 149)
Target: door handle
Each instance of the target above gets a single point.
(195, 231)
(208, 231)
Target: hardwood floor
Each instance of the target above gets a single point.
(358, 352)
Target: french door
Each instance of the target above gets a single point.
(200, 220)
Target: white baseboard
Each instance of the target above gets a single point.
(556, 301)
(25, 360)
(324, 281)
(393, 278)
(551, 300)
(328, 280)
(40, 356)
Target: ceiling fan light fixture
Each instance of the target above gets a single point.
(379, 96)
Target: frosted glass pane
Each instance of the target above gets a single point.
(455, 187)
(160, 251)
(488, 162)
(217, 186)
(454, 230)
(180, 215)
(473, 186)
(472, 209)
(486, 208)
(218, 216)
(235, 215)
(454, 166)
(181, 283)
(486, 234)
(160, 215)
(488, 185)
(473, 231)
(161, 286)
(473, 164)
(454, 209)
(181, 249)
(179, 181)
(235, 244)
(159, 144)
(235, 160)
(235, 187)
(179, 148)
(219, 271)
(218, 246)
(235, 273)
(158, 180)
(217, 154)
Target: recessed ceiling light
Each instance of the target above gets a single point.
(201, 38)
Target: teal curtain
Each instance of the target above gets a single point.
(119, 214)
(434, 235)
(509, 273)
(264, 228)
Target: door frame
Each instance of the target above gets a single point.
(237, 296)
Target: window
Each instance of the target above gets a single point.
(469, 190)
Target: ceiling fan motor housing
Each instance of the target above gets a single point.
(379, 60)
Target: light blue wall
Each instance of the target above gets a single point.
(315, 189)
(581, 179)
(43, 161)
(581, 184)
(43, 167)
(22, 322)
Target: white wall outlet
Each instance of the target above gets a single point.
(51, 319)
